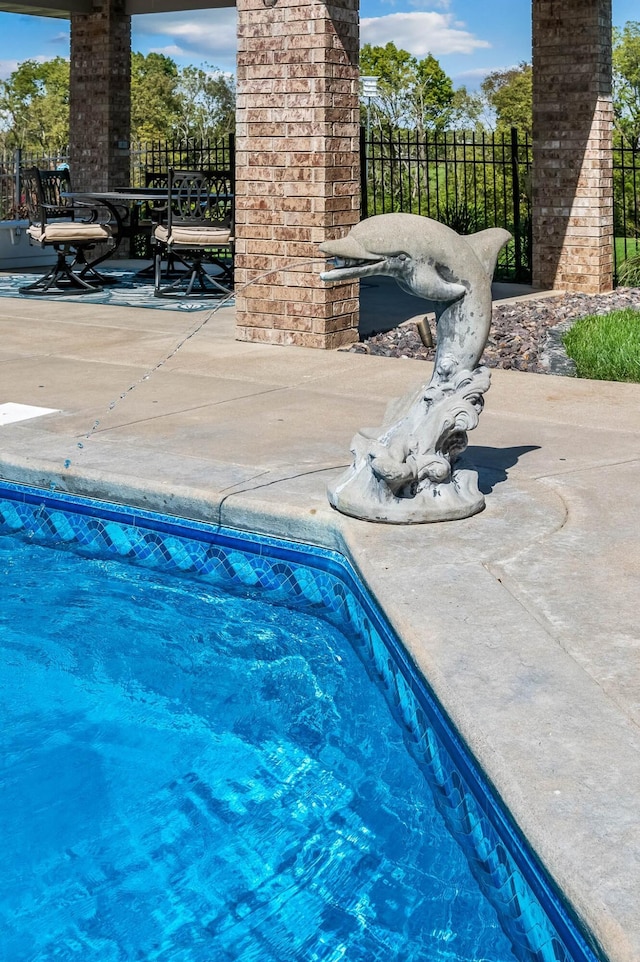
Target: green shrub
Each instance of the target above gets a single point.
(606, 347)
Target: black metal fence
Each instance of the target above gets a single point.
(157, 158)
(465, 180)
(468, 181)
(11, 207)
(146, 159)
(626, 192)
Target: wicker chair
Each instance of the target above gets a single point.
(71, 228)
(198, 231)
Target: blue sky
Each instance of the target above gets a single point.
(468, 37)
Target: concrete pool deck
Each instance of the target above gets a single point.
(523, 618)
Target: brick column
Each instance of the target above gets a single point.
(297, 167)
(100, 96)
(572, 138)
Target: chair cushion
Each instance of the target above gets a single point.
(193, 236)
(69, 232)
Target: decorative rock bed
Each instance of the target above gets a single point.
(526, 335)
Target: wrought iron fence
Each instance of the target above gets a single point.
(158, 157)
(11, 161)
(465, 180)
(468, 181)
(626, 208)
(146, 159)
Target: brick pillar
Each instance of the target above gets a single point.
(572, 138)
(100, 96)
(297, 167)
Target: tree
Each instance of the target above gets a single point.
(413, 93)
(34, 106)
(208, 103)
(626, 81)
(432, 96)
(467, 111)
(509, 93)
(155, 102)
(167, 102)
(394, 69)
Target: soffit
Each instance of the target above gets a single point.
(64, 8)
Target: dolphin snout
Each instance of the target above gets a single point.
(351, 259)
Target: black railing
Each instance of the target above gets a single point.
(465, 180)
(11, 161)
(145, 159)
(157, 158)
(626, 206)
(468, 181)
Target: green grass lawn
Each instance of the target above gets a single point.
(632, 247)
(606, 347)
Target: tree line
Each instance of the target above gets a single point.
(418, 94)
(169, 102)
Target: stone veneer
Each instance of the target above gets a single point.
(100, 97)
(297, 167)
(572, 145)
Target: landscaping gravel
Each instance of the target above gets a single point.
(522, 336)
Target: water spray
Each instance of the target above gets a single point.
(186, 338)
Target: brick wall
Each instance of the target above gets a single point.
(572, 140)
(100, 99)
(297, 176)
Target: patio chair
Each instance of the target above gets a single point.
(152, 213)
(198, 232)
(72, 228)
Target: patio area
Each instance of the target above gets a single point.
(523, 618)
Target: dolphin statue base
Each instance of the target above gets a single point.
(404, 472)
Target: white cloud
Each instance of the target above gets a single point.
(172, 50)
(7, 67)
(421, 33)
(475, 76)
(479, 72)
(472, 79)
(199, 35)
(442, 4)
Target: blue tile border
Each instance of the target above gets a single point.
(540, 925)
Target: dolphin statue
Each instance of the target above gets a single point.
(430, 260)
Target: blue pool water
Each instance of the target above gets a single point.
(207, 768)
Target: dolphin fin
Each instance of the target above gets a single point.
(487, 244)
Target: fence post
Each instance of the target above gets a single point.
(17, 163)
(232, 153)
(364, 179)
(516, 202)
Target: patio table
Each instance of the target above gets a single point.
(127, 225)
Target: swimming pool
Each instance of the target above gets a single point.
(282, 793)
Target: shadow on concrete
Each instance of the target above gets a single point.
(384, 305)
(492, 464)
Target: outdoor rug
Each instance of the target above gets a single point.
(129, 291)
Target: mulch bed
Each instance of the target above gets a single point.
(519, 329)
